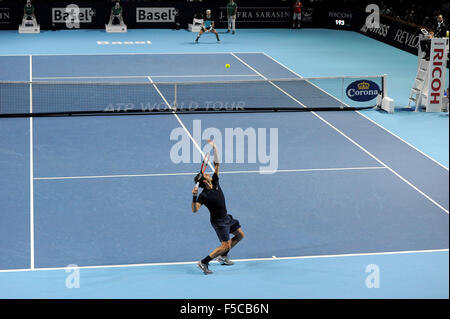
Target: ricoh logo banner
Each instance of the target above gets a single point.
(340, 15)
(147, 15)
(72, 15)
(436, 74)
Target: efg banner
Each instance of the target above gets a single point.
(396, 33)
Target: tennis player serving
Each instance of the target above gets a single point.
(223, 223)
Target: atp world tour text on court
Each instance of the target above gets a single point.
(235, 145)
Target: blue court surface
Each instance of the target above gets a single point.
(346, 198)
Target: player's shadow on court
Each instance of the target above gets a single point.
(204, 42)
(191, 269)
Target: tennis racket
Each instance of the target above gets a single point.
(203, 167)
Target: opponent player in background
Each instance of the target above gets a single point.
(208, 26)
(223, 223)
(297, 14)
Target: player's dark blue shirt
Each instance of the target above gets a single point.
(209, 20)
(214, 200)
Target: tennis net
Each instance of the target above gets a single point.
(39, 98)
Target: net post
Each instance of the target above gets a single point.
(383, 85)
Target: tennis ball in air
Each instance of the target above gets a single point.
(227, 66)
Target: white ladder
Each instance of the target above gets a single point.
(419, 91)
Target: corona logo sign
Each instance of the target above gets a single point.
(363, 90)
(363, 86)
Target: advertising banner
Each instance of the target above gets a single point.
(396, 33)
(436, 75)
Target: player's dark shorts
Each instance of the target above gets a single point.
(207, 29)
(225, 226)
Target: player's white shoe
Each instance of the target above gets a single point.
(224, 260)
(204, 268)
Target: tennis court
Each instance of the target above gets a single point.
(102, 193)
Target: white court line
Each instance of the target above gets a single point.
(145, 76)
(389, 168)
(410, 145)
(235, 260)
(351, 140)
(31, 171)
(415, 148)
(179, 121)
(226, 172)
(137, 53)
(203, 75)
(92, 77)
